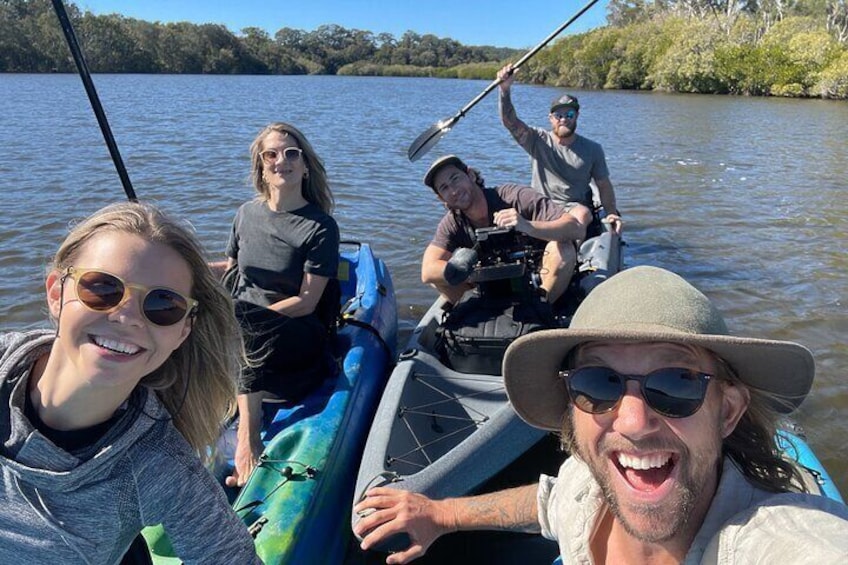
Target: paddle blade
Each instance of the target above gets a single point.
(424, 142)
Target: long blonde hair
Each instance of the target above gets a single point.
(197, 383)
(315, 188)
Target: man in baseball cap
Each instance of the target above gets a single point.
(471, 205)
(670, 423)
(563, 163)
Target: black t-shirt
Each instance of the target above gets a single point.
(455, 230)
(274, 250)
(72, 441)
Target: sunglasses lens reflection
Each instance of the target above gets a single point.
(164, 307)
(672, 392)
(100, 291)
(595, 389)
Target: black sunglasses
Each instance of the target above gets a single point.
(104, 292)
(670, 391)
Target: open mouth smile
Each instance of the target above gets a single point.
(645, 473)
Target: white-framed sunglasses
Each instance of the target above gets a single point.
(271, 156)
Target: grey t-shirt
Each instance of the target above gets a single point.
(274, 250)
(564, 172)
(454, 230)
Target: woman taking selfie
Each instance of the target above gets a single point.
(102, 418)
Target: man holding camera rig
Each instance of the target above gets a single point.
(471, 206)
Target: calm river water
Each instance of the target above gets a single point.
(744, 197)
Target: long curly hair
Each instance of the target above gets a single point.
(315, 188)
(197, 383)
(752, 446)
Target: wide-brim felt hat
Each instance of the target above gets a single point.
(647, 304)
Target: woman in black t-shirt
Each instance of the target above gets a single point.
(285, 246)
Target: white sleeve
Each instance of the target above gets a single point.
(786, 528)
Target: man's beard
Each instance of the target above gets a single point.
(564, 132)
(656, 522)
(669, 517)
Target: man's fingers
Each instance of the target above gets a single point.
(370, 523)
(506, 218)
(378, 497)
(379, 527)
(414, 552)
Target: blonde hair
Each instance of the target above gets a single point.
(315, 188)
(197, 383)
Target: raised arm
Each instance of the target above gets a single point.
(519, 130)
(387, 512)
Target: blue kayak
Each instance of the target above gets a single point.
(296, 503)
(792, 442)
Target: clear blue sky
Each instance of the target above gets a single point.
(502, 23)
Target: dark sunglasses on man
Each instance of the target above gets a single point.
(671, 391)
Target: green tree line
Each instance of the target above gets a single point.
(793, 48)
(749, 47)
(31, 40)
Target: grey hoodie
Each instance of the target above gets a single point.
(59, 508)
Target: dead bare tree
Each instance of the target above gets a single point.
(837, 19)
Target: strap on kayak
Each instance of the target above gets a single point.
(348, 319)
(287, 473)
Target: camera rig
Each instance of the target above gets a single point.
(498, 254)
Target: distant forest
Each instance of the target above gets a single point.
(795, 48)
(31, 40)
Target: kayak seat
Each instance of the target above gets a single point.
(474, 334)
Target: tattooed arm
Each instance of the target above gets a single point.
(511, 510)
(519, 130)
(395, 511)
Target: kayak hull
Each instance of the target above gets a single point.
(296, 503)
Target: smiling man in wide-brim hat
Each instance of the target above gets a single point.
(648, 304)
(670, 425)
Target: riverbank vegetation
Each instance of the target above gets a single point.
(751, 47)
(756, 47)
